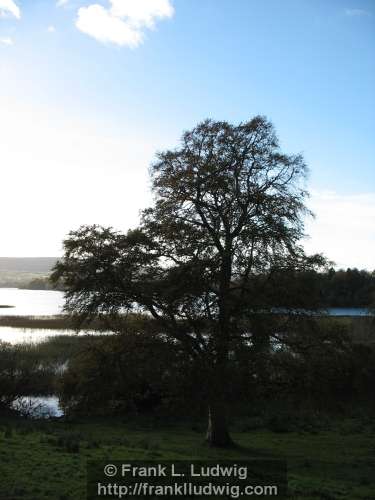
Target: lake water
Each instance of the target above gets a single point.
(38, 407)
(50, 303)
(348, 311)
(31, 302)
(15, 335)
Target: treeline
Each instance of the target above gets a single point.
(43, 284)
(27, 281)
(311, 289)
(16, 279)
(350, 288)
(26, 272)
(342, 288)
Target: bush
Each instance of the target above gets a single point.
(132, 373)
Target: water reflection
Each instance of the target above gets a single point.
(31, 302)
(29, 335)
(38, 407)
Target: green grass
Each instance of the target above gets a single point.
(47, 460)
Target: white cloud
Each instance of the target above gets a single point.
(124, 22)
(51, 29)
(6, 41)
(356, 12)
(9, 7)
(344, 228)
(99, 23)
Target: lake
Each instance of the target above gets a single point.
(16, 335)
(31, 302)
(38, 407)
(348, 311)
(50, 303)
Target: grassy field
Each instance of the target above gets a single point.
(47, 460)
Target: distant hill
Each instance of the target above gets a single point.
(27, 264)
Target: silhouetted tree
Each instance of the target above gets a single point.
(227, 218)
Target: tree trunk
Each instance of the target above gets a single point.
(217, 431)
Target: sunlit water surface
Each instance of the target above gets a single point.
(30, 302)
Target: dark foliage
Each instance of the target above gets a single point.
(319, 370)
(350, 288)
(212, 258)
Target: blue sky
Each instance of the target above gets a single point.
(91, 89)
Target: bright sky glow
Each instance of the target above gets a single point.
(90, 90)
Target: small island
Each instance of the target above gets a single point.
(5, 307)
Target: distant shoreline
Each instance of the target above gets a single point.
(58, 322)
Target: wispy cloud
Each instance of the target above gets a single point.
(51, 29)
(61, 3)
(6, 41)
(344, 228)
(124, 22)
(357, 12)
(9, 8)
